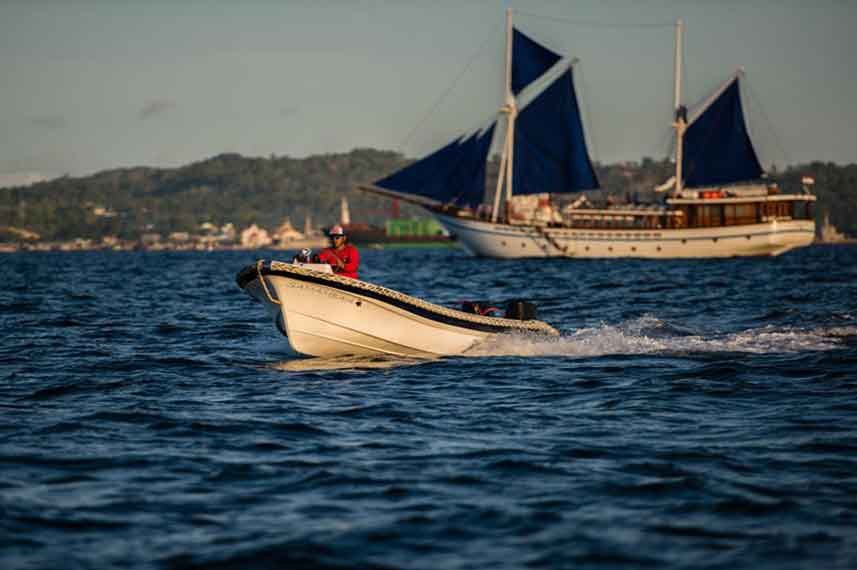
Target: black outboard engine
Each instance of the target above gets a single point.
(520, 309)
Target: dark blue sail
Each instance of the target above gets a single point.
(468, 176)
(529, 61)
(550, 145)
(717, 148)
(453, 174)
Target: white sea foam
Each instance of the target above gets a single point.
(649, 335)
(644, 335)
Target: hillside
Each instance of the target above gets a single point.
(231, 188)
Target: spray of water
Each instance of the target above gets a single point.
(650, 335)
(644, 335)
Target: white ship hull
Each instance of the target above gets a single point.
(510, 241)
(330, 316)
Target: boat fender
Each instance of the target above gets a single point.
(520, 309)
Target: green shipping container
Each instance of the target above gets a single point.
(417, 227)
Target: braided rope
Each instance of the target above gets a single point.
(538, 326)
(259, 265)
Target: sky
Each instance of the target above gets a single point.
(89, 85)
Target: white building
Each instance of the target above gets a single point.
(255, 237)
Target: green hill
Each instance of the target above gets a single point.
(226, 188)
(243, 190)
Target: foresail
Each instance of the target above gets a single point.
(530, 60)
(550, 144)
(453, 174)
(717, 147)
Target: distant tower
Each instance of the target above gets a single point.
(307, 225)
(344, 216)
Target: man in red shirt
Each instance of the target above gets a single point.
(342, 256)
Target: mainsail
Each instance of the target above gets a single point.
(550, 153)
(717, 147)
(550, 145)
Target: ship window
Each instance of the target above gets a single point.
(633, 248)
(739, 214)
(659, 248)
(779, 210)
(709, 215)
(684, 241)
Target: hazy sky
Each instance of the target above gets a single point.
(94, 84)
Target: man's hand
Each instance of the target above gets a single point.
(336, 261)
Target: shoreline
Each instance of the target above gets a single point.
(67, 247)
(71, 247)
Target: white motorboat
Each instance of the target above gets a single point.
(326, 315)
(718, 204)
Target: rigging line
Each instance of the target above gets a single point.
(446, 92)
(595, 24)
(666, 144)
(758, 102)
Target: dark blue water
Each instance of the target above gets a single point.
(693, 415)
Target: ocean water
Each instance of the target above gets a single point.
(693, 414)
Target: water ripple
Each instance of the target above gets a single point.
(691, 414)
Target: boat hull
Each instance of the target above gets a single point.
(509, 241)
(330, 316)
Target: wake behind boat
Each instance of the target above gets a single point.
(326, 315)
(718, 203)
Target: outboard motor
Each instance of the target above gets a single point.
(520, 309)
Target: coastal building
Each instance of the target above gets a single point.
(255, 237)
(227, 233)
(285, 236)
(286, 233)
(102, 212)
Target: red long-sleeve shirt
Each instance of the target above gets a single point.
(349, 256)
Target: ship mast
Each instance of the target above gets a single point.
(680, 123)
(509, 109)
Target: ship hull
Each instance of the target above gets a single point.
(511, 241)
